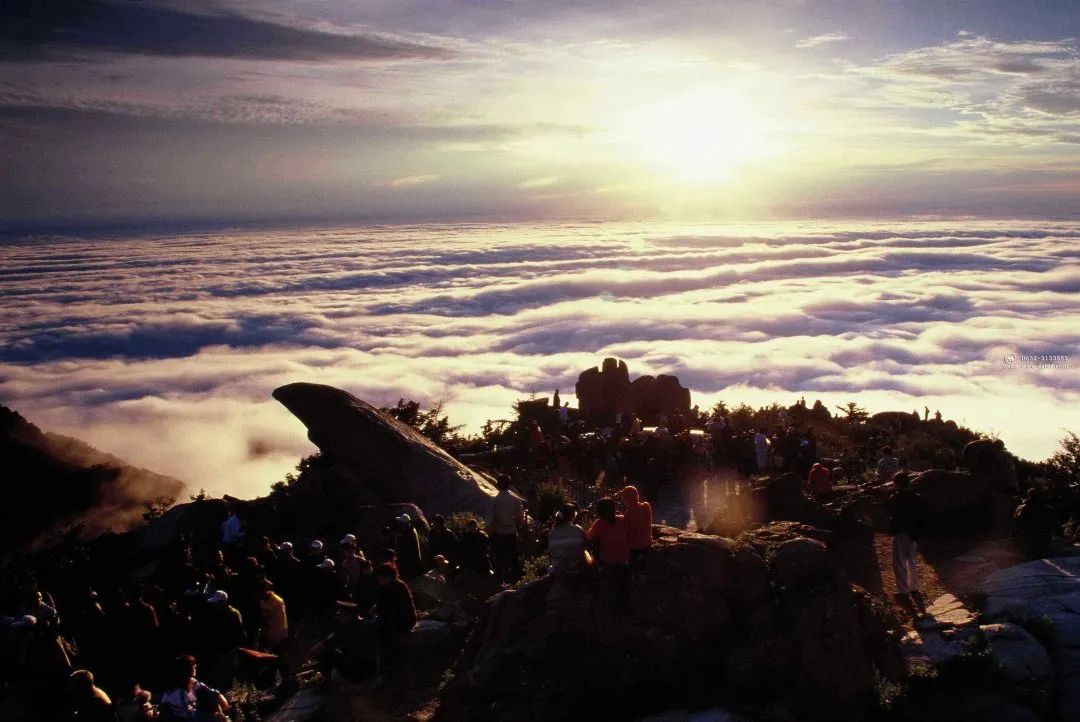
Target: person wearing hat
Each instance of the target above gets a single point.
(506, 520)
(349, 566)
(406, 543)
(225, 624)
(275, 621)
(326, 589)
(638, 514)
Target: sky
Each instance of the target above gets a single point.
(164, 349)
(147, 112)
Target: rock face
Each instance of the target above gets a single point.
(706, 623)
(954, 498)
(393, 460)
(900, 420)
(607, 391)
(1044, 597)
(987, 458)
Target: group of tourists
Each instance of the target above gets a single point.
(130, 653)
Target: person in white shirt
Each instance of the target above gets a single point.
(506, 518)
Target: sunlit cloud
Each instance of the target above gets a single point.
(165, 351)
(818, 40)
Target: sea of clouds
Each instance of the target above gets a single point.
(164, 349)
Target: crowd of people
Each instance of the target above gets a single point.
(130, 653)
(230, 604)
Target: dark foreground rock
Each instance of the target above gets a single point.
(761, 622)
(1044, 598)
(394, 461)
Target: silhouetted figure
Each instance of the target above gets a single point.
(442, 541)
(611, 543)
(507, 518)
(88, 702)
(473, 549)
(1034, 522)
(906, 510)
(395, 614)
(638, 519)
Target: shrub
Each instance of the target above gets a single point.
(459, 521)
(550, 496)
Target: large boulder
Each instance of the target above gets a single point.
(1018, 656)
(895, 420)
(988, 458)
(705, 623)
(605, 392)
(954, 499)
(392, 459)
(1044, 597)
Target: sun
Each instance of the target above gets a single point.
(696, 138)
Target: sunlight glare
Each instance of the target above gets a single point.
(697, 138)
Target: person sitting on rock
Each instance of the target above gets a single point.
(351, 649)
(638, 515)
(442, 541)
(190, 699)
(906, 511)
(473, 549)
(611, 542)
(820, 481)
(507, 518)
(1034, 522)
(887, 465)
(395, 614)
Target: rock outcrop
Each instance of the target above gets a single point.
(1043, 597)
(393, 460)
(954, 499)
(605, 392)
(762, 622)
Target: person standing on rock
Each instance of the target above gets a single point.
(887, 465)
(761, 450)
(473, 549)
(638, 516)
(506, 520)
(906, 511)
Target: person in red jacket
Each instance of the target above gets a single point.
(611, 542)
(820, 481)
(638, 516)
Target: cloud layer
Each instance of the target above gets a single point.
(164, 350)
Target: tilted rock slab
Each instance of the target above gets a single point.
(390, 458)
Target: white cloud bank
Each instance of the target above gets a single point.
(165, 350)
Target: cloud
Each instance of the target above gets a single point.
(819, 40)
(72, 28)
(164, 349)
